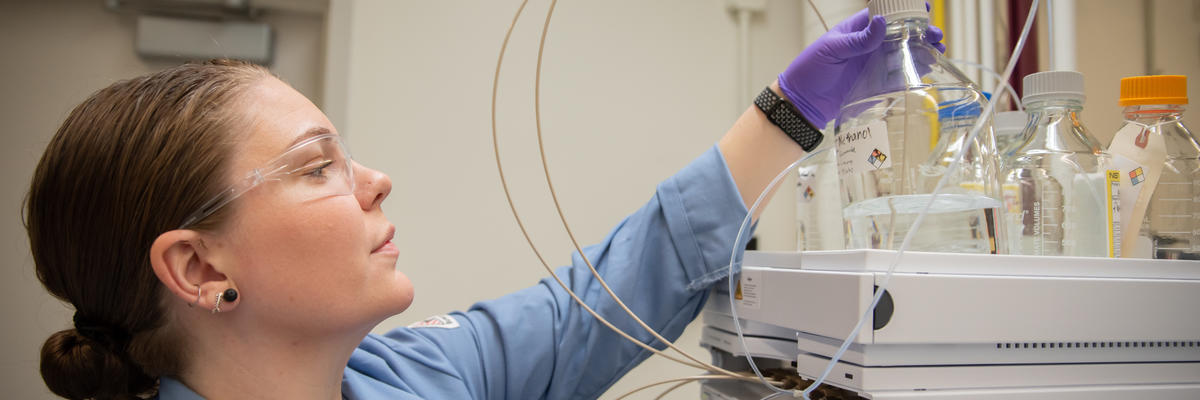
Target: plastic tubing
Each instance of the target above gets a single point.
(1012, 63)
(737, 325)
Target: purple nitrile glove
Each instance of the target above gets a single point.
(818, 80)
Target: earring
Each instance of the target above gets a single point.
(199, 294)
(217, 304)
(230, 295)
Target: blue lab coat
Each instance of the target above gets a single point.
(538, 343)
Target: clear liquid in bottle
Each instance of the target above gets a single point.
(895, 142)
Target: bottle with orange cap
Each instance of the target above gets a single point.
(1158, 161)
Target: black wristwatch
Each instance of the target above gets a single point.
(781, 113)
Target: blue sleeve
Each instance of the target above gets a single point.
(538, 343)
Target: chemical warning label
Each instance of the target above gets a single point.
(1112, 195)
(863, 149)
(1139, 154)
(806, 179)
(750, 289)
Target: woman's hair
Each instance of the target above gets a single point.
(129, 163)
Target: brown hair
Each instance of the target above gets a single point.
(129, 163)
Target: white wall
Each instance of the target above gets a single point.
(1112, 35)
(56, 53)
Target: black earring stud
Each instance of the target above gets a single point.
(229, 296)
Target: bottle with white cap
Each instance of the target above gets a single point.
(1057, 176)
(905, 120)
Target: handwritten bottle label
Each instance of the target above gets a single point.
(863, 149)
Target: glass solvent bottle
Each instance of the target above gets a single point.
(1159, 163)
(892, 147)
(1057, 176)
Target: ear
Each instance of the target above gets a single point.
(186, 267)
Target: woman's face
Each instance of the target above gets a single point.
(304, 266)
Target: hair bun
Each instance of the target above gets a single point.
(75, 366)
(99, 332)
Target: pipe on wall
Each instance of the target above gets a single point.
(1062, 34)
(987, 43)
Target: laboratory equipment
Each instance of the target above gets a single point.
(1056, 179)
(1159, 163)
(818, 204)
(956, 326)
(892, 151)
(1009, 127)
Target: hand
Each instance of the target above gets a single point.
(818, 80)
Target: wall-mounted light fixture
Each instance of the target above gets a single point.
(199, 29)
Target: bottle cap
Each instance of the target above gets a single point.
(1010, 123)
(1053, 85)
(896, 9)
(1153, 89)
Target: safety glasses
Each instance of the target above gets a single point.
(315, 168)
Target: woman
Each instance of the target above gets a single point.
(216, 241)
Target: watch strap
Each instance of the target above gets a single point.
(783, 114)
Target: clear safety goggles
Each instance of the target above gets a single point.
(315, 168)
